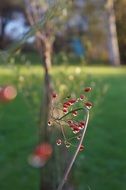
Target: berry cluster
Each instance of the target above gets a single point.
(76, 126)
(66, 116)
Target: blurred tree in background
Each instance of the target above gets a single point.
(93, 22)
(102, 30)
(114, 54)
(121, 27)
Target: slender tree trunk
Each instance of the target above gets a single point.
(114, 54)
(47, 89)
(46, 173)
(51, 173)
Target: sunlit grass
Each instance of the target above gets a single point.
(94, 70)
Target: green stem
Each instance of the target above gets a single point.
(76, 152)
(70, 112)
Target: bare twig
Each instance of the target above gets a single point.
(76, 152)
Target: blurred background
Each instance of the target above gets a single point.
(85, 45)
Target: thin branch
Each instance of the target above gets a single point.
(78, 109)
(75, 154)
(63, 133)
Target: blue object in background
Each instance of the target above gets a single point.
(77, 47)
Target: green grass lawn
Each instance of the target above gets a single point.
(102, 166)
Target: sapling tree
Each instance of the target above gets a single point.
(67, 118)
(44, 42)
(44, 39)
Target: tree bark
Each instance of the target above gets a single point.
(114, 55)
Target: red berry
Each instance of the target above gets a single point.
(87, 89)
(65, 110)
(69, 122)
(49, 123)
(72, 125)
(88, 105)
(68, 103)
(72, 101)
(82, 97)
(81, 125)
(81, 148)
(65, 105)
(78, 137)
(74, 113)
(67, 144)
(76, 130)
(82, 122)
(54, 95)
(76, 127)
(59, 142)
